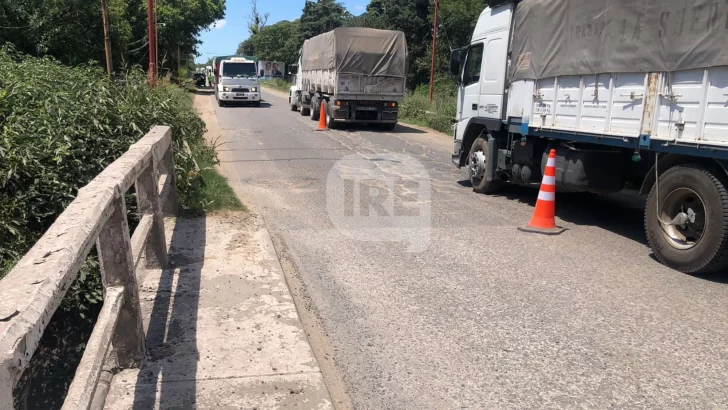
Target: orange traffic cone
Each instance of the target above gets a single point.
(322, 119)
(543, 216)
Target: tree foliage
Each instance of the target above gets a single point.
(72, 30)
(256, 21)
(456, 21)
(277, 42)
(54, 140)
(321, 16)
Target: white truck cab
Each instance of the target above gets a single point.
(238, 82)
(483, 76)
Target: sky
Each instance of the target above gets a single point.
(224, 36)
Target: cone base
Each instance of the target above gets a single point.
(321, 129)
(544, 231)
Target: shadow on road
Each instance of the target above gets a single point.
(621, 213)
(377, 128)
(172, 333)
(247, 105)
(203, 91)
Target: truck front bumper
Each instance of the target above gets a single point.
(239, 97)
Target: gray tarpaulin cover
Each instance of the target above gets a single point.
(581, 37)
(355, 50)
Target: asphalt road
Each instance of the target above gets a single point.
(486, 316)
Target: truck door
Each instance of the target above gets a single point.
(470, 95)
(490, 102)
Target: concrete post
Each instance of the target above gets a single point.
(148, 201)
(166, 166)
(117, 269)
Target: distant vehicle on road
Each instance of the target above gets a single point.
(357, 73)
(199, 79)
(236, 81)
(626, 100)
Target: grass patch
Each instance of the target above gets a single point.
(217, 191)
(277, 84)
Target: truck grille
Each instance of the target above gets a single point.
(240, 90)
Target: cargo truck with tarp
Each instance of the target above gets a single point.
(630, 94)
(358, 74)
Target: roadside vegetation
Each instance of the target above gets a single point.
(277, 84)
(61, 126)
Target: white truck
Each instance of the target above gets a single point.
(236, 81)
(358, 74)
(631, 94)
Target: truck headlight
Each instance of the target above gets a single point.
(226, 89)
(254, 89)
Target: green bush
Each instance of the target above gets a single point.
(60, 126)
(438, 115)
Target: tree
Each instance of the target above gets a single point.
(321, 16)
(72, 32)
(256, 21)
(278, 42)
(247, 47)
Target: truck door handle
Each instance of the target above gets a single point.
(475, 107)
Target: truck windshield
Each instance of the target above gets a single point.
(238, 69)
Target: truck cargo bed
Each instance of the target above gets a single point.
(689, 106)
(355, 61)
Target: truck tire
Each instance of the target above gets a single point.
(700, 245)
(315, 108)
(476, 166)
(220, 103)
(304, 111)
(294, 106)
(330, 123)
(256, 104)
(389, 126)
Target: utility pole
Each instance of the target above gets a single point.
(152, 48)
(156, 36)
(434, 46)
(107, 39)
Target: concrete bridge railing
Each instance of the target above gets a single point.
(33, 290)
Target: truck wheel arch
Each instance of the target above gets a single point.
(475, 128)
(668, 161)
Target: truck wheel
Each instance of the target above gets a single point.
(220, 103)
(315, 108)
(477, 164)
(256, 104)
(330, 123)
(688, 229)
(389, 126)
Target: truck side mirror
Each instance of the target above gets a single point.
(456, 59)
